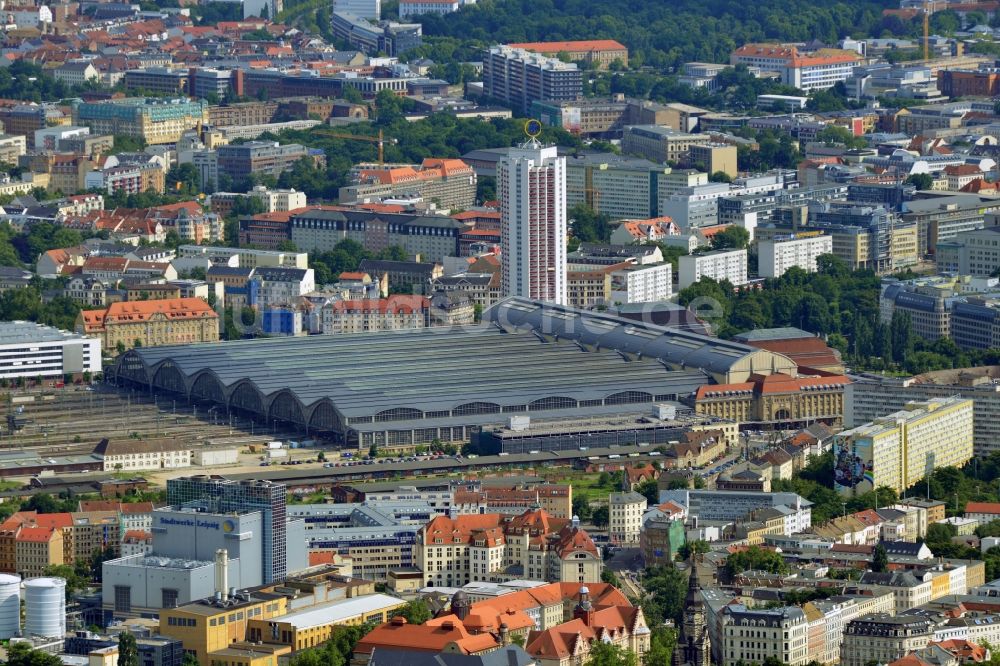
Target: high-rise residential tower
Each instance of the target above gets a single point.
(531, 183)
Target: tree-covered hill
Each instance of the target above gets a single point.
(666, 33)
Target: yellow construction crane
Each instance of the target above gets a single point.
(380, 140)
(591, 196)
(927, 30)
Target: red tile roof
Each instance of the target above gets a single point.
(572, 46)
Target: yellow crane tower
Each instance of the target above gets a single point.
(380, 140)
(927, 30)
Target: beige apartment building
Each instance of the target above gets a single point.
(625, 517)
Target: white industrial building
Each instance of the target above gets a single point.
(778, 255)
(33, 350)
(720, 265)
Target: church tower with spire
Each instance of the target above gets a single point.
(693, 644)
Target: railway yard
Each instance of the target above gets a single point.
(66, 424)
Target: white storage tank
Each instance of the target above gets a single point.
(45, 599)
(10, 606)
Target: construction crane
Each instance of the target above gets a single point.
(927, 30)
(591, 196)
(380, 140)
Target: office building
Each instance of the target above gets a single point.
(263, 496)
(625, 512)
(153, 80)
(975, 253)
(366, 9)
(239, 161)
(246, 257)
(623, 188)
(29, 350)
(433, 237)
(155, 121)
(899, 449)
(660, 144)
(449, 183)
(869, 397)
(736, 504)
(819, 70)
(517, 78)
(942, 217)
(377, 535)
(150, 323)
(718, 265)
(863, 236)
(531, 185)
(385, 36)
(714, 158)
(779, 254)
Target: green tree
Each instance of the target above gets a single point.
(733, 236)
(581, 507)
(128, 652)
(662, 642)
(22, 654)
(720, 177)
(880, 559)
(922, 181)
(599, 516)
(667, 587)
(755, 558)
(190, 660)
(416, 611)
(690, 548)
(609, 654)
(650, 490)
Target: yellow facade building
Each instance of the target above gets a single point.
(314, 626)
(900, 449)
(169, 321)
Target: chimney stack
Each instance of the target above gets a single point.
(222, 574)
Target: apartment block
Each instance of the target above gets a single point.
(719, 265)
(384, 314)
(517, 77)
(900, 449)
(778, 255)
(884, 638)
(642, 284)
(751, 635)
(625, 512)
